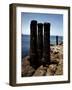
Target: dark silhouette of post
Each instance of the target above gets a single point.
(46, 46)
(33, 44)
(56, 40)
(40, 42)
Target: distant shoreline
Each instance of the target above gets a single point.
(50, 35)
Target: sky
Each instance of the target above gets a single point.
(56, 21)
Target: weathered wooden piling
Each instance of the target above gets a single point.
(40, 42)
(33, 43)
(56, 40)
(46, 46)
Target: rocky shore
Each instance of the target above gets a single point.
(55, 68)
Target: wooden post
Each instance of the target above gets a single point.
(40, 42)
(33, 43)
(46, 54)
(56, 40)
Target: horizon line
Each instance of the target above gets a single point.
(50, 35)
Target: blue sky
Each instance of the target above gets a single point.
(56, 21)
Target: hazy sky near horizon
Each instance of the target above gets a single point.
(56, 21)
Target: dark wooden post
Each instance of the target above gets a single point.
(40, 42)
(56, 40)
(33, 43)
(46, 53)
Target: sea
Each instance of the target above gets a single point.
(25, 43)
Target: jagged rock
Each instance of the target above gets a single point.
(55, 61)
(51, 70)
(28, 71)
(61, 62)
(26, 61)
(56, 52)
(59, 70)
(53, 67)
(41, 71)
(57, 56)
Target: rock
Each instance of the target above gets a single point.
(53, 67)
(59, 70)
(61, 62)
(55, 61)
(57, 56)
(26, 61)
(41, 71)
(61, 56)
(55, 52)
(51, 70)
(28, 71)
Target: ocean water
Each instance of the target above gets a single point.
(25, 43)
